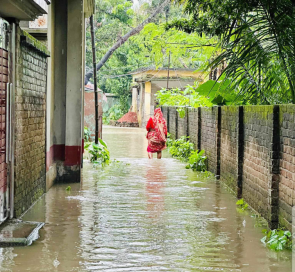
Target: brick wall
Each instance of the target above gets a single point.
(287, 164)
(209, 118)
(172, 122)
(229, 146)
(165, 115)
(182, 125)
(258, 133)
(193, 126)
(252, 148)
(30, 106)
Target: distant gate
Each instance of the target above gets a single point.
(4, 120)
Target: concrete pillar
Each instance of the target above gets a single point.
(147, 101)
(50, 170)
(141, 104)
(74, 89)
(134, 100)
(60, 79)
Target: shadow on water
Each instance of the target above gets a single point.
(142, 215)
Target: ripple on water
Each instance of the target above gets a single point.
(142, 215)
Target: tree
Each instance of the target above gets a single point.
(124, 38)
(257, 40)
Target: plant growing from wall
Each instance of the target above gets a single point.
(197, 161)
(277, 239)
(99, 153)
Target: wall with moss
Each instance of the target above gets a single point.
(193, 125)
(30, 112)
(251, 149)
(287, 164)
(229, 146)
(209, 129)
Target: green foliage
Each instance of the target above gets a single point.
(242, 205)
(188, 97)
(188, 50)
(197, 161)
(99, 153)
(206, 95)
(169, 141)
(256, 45)
(69, 188)
(87, 134)
(114, 113)
(277, 239)
(181, 148)
(114, 18)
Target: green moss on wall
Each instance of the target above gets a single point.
(30, 41)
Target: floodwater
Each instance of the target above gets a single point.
(142, 215)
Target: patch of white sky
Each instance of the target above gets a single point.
(138, 3)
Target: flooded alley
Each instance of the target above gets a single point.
(142, 215)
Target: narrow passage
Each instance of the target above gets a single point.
(143, 215)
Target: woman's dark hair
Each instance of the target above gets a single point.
(157, 104)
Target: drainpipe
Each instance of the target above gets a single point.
(12, 119)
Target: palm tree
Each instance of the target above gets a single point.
(256, 40)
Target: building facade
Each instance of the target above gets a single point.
(147, 81)
(42, 93)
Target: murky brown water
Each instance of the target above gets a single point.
(142, 215)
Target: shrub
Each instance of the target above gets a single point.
(181, 148)
(87, 134)
(197, 161)
(169, 141)
(114, 113)
(277, 239)
(99, 153)
(242, 205)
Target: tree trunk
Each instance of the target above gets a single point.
(94, 78)
(123, 39)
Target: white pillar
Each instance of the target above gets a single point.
(75, 86)
(147, 101)
(134, 100)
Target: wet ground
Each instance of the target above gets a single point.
(142, 215)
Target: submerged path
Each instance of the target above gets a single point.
(142, 215)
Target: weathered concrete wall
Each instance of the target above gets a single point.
(64, 155)
(30, 106)
(89, 112)
(251, 149)
(50, 166)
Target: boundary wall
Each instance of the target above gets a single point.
(249, 148)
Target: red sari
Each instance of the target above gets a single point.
(157, 132)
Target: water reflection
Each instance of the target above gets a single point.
(154, 188)
(142, 215)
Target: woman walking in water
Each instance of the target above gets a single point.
(157, 134)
